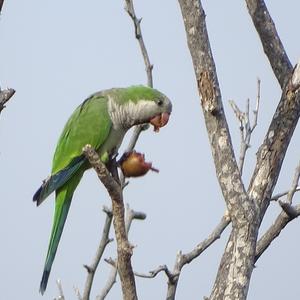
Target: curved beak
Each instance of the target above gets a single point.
(160, 120)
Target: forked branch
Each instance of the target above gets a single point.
(246, 129)
(124, 248)
(130, 216)
(91, 269)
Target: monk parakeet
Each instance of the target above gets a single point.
(101, 121)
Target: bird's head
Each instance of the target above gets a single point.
(139, 104)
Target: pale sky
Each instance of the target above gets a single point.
(55, 54)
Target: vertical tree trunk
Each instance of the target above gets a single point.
(246, 209)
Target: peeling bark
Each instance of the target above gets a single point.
(246, 209)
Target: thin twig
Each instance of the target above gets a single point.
(129, 7)
(282, 194)
(294, 186)
(246, 129)
(77, 293)
(60, 290)
(183, 259)
(153, 273)
(274, 231)
(255, 111)
(130, 216)
(109, 284)
(105, 240)
(138, 34)
(289, 209)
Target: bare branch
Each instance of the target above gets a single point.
(288, 214)
(91, 269)
(136, 133)
(242, 209)
(130, 216)
(272, 152)
(153, 273)
(271, 42)
(294, 186)
(138, 129)
(109, 284)
(77, 293)
(215, 120)
(215, 235)
(255, 111)
(183, 259)
(245, 126)
(60, 290)
(138, 34)
(290, 210)
(282, 194)
(124, 248)
(5, 95)
(129, 7)
(274, 231)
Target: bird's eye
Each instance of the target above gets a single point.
(160, 102)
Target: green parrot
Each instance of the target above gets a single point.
(101, 121)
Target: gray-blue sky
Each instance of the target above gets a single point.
(56, 53)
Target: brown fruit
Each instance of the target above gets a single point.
(133, 164)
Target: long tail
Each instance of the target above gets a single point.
(62, 204)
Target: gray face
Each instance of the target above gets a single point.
(155, 112)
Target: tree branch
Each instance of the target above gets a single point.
(138, 34)
(240, 250)
(91, 269)
(183, 259)
(245, 126)
(215, 120)
(270, 40)
(124, 249)
(60, 290)
(129, 7)
(156, 271)
(272, 152)
(274, 231)
(5, 95)
(288, 214)
(282, 194)
(130, 216)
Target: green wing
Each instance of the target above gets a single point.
(89, 124)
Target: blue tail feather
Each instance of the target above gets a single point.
(57, 180)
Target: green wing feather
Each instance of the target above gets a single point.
(89, 124)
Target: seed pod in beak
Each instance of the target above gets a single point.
(160, 121)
